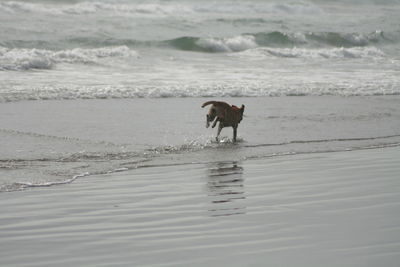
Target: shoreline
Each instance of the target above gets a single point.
(22, 186)
(306, 210)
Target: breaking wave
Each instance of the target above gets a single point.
(120, 47)
(317, 39)
(278, 39)
(277, 44)
(222, 89)
(234, 44)
(26, 59)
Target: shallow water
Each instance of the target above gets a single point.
(51, 142)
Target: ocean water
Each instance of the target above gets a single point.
(89, 87)
(179, 48)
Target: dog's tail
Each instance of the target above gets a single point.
(208, 103)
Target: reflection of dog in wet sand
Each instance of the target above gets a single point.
(226, 115)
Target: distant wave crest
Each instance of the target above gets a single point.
(26, 59)
(84, 8)
(234, 44)
(126, 8)
(277, 39)
(237, 43)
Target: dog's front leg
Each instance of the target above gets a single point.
(215, 122)
(234, 134)
(220, 126)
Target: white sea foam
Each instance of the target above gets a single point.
(332, 53)
(234, 44)
(233, 89)
(24, 185)
(360, 39)
(25, 59)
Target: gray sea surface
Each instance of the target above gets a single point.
(180, 48)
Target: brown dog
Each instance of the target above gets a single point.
(226, 115)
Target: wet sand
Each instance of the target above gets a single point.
(322, 209)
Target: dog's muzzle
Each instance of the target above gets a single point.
(207, 121)
(209, 118)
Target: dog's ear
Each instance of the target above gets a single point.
(242, 108)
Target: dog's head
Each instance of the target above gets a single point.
(212, 113)
(241, 112)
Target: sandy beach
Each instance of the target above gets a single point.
(322, 209)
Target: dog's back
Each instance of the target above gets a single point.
(236, 115)
(226, 114)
